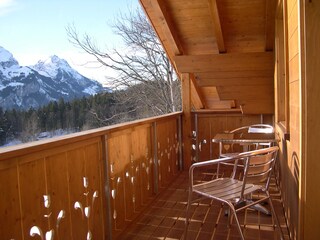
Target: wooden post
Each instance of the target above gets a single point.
(186, 119)
(310, 129)
(106, 177)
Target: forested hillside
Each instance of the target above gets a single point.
(70, 116)
(63, 117)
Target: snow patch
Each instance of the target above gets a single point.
(5, 56)
(15, 84)
(92, 90)
(15, 71)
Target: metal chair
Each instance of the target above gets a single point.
(258, 165)
(231, 150)
(255, 128)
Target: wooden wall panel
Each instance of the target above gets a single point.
(261, 92)
(290, 157)
(310, 176)
(294, 71)
(294, 152)
(294, 46)
(292, 18)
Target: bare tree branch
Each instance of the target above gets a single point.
(145, 79)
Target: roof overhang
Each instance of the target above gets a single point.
(225, 45)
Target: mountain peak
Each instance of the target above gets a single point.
(54, 59)
(6, 58)
(51, 66)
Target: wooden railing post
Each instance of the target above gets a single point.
(108, 229)
(180, 142)
(196, 137)
(155, 158)
(186, 118)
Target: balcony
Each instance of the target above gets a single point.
(164, 219)
(120, 182)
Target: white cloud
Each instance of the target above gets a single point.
(7, 6)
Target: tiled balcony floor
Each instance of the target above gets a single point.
(165, 218)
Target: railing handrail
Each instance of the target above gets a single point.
(21, 149)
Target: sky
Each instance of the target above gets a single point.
(33, 30)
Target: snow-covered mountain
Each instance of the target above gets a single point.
(48, 80)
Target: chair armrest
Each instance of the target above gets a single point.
(213, 161)
(209, 163)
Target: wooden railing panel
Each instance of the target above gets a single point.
(119, 159)
(167, 142)
(76, 172)
(32, 188)
(96, 221)
(58, 190)
(10, 215)
(56, 175)
(68, 178)
(131, 171)
(174, 146)
(143, 166)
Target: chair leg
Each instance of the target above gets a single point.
(234, 213)
(275, 215)
(187, 214)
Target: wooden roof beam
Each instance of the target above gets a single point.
(234, 78)
(168, 26)
(223, 82)
(259, 61)
(217, 25)
(198, 102)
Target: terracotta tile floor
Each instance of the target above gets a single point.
(165, 218)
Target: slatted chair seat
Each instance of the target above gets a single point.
(224, 188)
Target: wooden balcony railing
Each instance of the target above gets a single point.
(88, 185)
(94, 184)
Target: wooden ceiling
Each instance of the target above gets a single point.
(225, 45)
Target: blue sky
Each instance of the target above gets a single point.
(35, 29)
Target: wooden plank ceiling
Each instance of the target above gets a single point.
(225, 45)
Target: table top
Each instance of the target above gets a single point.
(244, 138)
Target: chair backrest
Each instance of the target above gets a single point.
(254, 128)
(258, 166)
